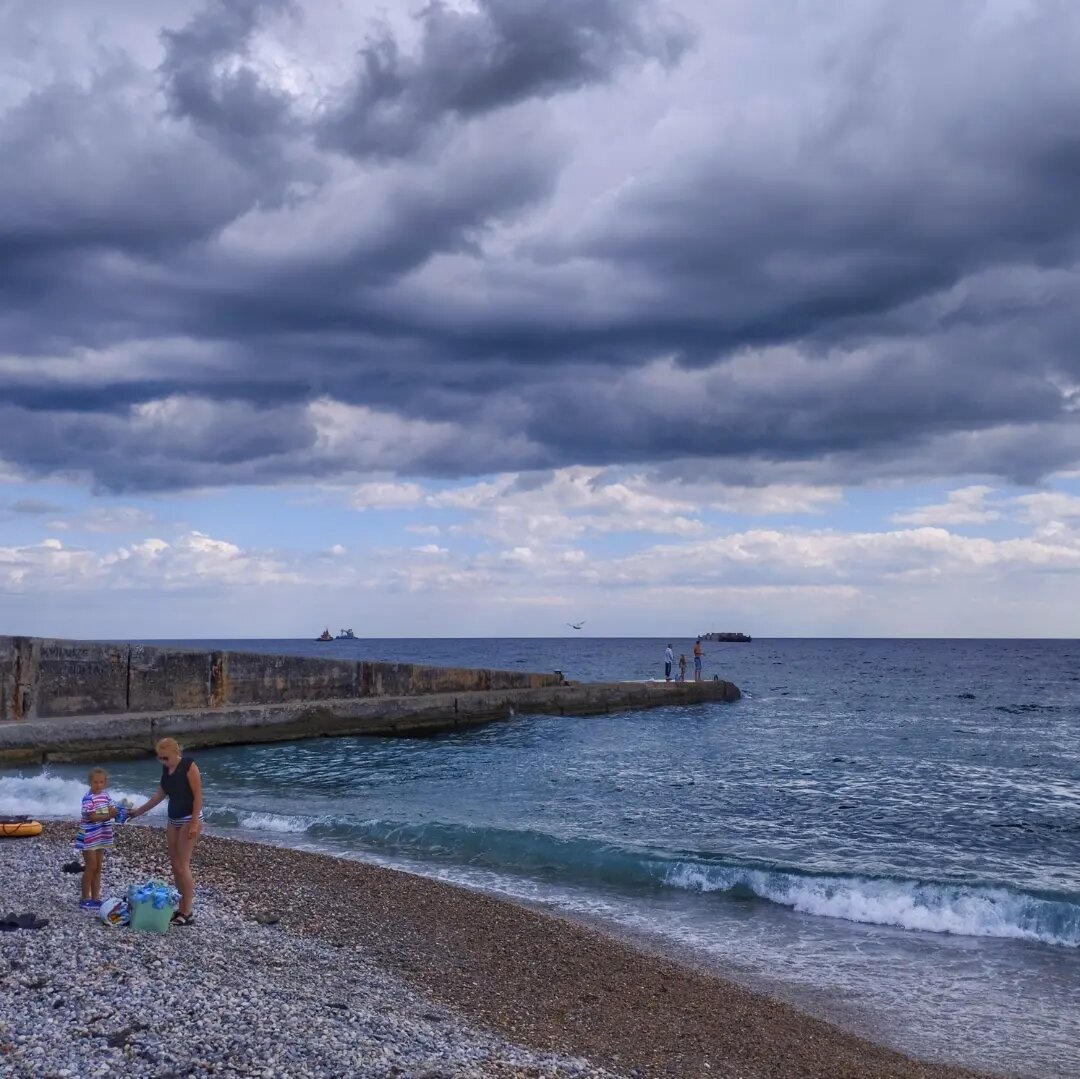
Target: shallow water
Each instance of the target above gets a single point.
(888, 830)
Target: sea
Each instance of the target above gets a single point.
(884, 832)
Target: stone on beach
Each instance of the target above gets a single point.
(229, 997)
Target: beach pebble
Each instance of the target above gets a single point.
(227, 997)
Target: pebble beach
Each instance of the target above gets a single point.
(301, 964)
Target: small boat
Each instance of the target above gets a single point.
(325, 635)
(345, 635)
(12, 827)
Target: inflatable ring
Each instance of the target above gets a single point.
(23, 828)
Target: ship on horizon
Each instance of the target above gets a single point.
(727, 638)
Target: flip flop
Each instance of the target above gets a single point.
(72, 867)
(183, 919)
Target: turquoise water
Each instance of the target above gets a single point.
(886, 831)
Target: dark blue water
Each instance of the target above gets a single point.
(887, 831)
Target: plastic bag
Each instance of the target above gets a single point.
(114, 912)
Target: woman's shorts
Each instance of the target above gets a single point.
(176, 822)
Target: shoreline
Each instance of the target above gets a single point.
(864, 1022)
(535, 978)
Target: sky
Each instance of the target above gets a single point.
(481, 317)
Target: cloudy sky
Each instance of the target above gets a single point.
(481, 316)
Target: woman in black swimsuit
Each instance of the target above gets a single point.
(182, 785)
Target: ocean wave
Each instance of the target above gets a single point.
(258, 822)
(1024, 707)
(50, 797)
(966, 909)
(974, 910)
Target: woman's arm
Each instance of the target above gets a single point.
(155, 798)
(195, 782)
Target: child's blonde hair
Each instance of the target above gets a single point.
(97, 772)
(167, 745)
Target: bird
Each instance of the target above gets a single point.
(575, 625)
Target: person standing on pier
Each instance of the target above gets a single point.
(697, 660)
(682, 666)
(669, 659)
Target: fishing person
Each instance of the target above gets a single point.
(181, 783)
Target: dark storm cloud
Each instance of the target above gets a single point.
(85, 168)
(856, 256)
(470, 62)
(181, 444)
(208, 78)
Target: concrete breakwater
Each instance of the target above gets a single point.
(66, 700)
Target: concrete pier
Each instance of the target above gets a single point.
(71, 700)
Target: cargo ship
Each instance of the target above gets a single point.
(727, 638)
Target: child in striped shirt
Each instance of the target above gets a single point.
(95, 835)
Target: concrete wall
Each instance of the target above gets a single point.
(45, 678)
(131, 734)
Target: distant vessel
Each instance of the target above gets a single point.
(345, 635)
(727, 638)
(325, 635)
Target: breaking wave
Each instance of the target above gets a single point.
(967, 909)
(52, 797)
(975, 909)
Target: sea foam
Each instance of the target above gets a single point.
(50, 797)
(934, 907)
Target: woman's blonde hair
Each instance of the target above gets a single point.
(167, 745)
(97, 772)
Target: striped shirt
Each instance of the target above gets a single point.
(92, 833)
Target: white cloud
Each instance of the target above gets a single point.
(766, 580)
(556, 507)
(800, 557)
(1046, 507)
(385, 495)
(432, 549)
(524, 556)
(190, 561)
(104, 519)
(964, 506)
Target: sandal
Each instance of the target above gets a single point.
(183, 919)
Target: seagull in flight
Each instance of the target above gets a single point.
(575, 625)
